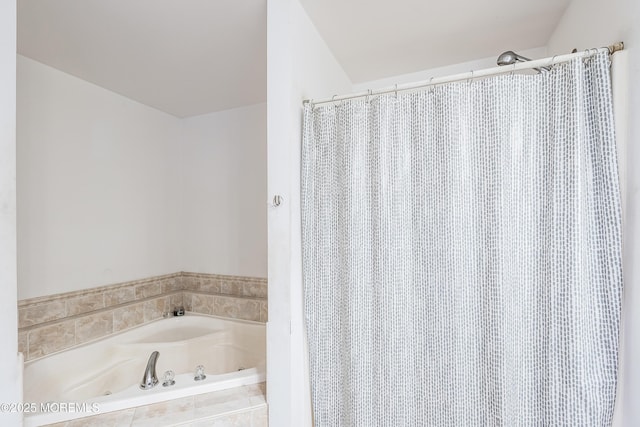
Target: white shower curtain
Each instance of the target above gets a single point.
(461, 253)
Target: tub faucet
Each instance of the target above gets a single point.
(149, 379)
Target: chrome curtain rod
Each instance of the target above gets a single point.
(504, 69)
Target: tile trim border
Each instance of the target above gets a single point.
(58, 322)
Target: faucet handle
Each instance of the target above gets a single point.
(199, 373)
(169, 378)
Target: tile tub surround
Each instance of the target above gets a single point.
(58, 322)
(242, 407)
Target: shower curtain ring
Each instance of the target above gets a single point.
(588, 55)
(470, 78)
(396, 91)
(369, 92)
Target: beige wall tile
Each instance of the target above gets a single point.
(85, 303)
(206, 283)
(237, 308)
(154, 309)
(220, 402)
(202, 303)
(128, 317)
(40, 313)
(22, 343)
(51, 338)
(187, 298)
(94, 326)
(171, 292)
(149, 290)
(119, 296)
(255, 288)
(110, 419)
(188, 282)
(241, 419)
(231, 287)
(256, 392)
(173, 283)
(242, 286)
(260, 417)
(264, 311)
(176, 300)
(164, 413)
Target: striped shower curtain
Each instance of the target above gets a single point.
(462, 253)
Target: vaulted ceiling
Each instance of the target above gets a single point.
(373, 39)
(184, 57)
(190, 57)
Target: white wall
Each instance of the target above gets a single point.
(11, 389)
(224, 192)
(592, 23)
(299, 66)
(97, 179)
(110, 190)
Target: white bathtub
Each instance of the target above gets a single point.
(108, 372)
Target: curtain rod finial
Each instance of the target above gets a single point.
(616, 47)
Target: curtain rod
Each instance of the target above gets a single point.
(503, 69)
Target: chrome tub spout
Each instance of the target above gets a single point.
(150, 380)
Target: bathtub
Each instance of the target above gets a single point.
(104, 376)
